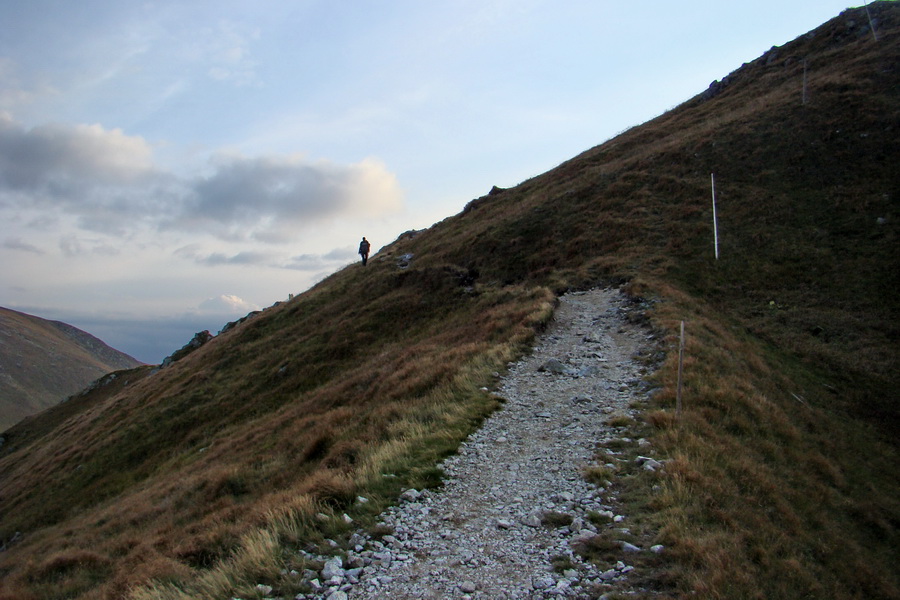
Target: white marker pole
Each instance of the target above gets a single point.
(871, 24)
(712, 179)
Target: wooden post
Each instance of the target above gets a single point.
(712, 178)
(680, 371)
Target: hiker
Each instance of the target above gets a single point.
(364, 250)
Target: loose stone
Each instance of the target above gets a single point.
(481, 535)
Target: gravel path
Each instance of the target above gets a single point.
(515, 498)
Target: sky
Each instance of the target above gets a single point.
(167, 166)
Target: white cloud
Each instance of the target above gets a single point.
(272, 199)
(227, 304)
(55, 158)
(108, 181)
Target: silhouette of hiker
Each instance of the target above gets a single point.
(364, 250)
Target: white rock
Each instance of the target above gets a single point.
(532, 520)
(333, 568)
(410, 495)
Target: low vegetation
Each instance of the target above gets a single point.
(205, 478)
(42, 362)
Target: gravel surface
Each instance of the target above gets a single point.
(515, 498)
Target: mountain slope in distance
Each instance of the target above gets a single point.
(42, 362)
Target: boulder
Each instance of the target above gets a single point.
(554, 366)
(200, 338)
(333, 568)
(410, 495)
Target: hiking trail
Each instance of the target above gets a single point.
(515, 499)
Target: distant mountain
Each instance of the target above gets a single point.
(42, 362)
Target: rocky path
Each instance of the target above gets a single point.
(515, 499)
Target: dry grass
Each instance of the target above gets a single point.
(218, 463)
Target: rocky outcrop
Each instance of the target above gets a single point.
(199, 339)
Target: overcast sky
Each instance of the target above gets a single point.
(167, 166)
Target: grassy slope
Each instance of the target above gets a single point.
(42, 362)
(780, 484)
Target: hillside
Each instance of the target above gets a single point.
(42, 362)
(213, 474)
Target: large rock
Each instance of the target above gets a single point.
(554, 366)
(200, 338)
(333, 568)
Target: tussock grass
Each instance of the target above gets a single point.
(598, 475)
(553, 518)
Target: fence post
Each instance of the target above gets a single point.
(680, 371)
(712, 179)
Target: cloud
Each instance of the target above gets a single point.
(104, 178)
(56, 158)
(321, 262)
(109, 183)
(301, 262)
(270, 199)
(19, 244)
(226, 304)
(245, 258)
(72, 245)
(227, 48)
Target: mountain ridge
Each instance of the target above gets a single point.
(45, 361)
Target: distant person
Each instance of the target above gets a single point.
(364, 250)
